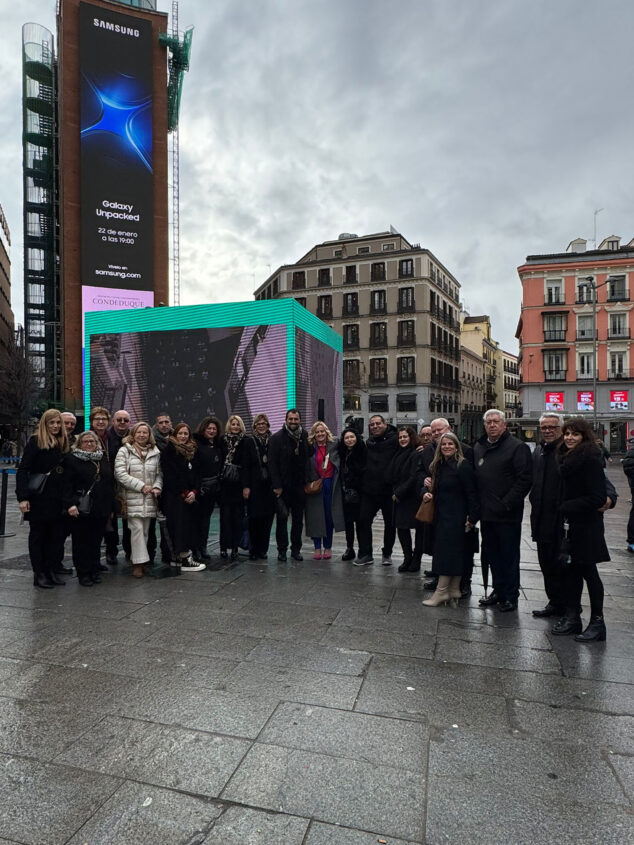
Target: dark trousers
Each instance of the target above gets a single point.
(260, 533)
(87, 533)
(112, 538)
(574, 576)
(370, 506)
(351, 518)
(46, 543)
(501, 543)
(630, 522)
(204, 510)
(231, 525)
(166, 555)
(551, 570)
(295, 505)
(410, 552)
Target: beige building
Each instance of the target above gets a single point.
(472, 394)
(509, 383)
(476, 335)
(397, 308)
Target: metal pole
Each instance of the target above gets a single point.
(595, 356)
(3, 505)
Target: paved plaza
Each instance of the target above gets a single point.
(312, 703)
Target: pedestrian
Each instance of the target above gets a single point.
(352, 458)
(424, 437)
(119, 429)
(288, 453)
(138, 472)
(628, 469)
(456, 513)
(161, 431)
(39, 488)
(87, 499)
(261, 499)
(210, 458)
(583, 497)
(234, 490)
(403, 474)
(503, 475)
(382, 445)
(181, 482)
(70, 423)
(324, 508)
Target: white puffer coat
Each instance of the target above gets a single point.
(133, 473)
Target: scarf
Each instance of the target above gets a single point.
(187, 450)
(232, 441)
(95, 456)
(262, 439)
(296, 435)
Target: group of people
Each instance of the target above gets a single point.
(431, 489)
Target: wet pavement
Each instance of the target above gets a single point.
(312, 703)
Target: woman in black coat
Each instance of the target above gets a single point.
(39, 487)
(261, 499)
(583, 494)
(456, 511)
(209, 461)
(234, 485)
(403, 471)
(88, 470)
(181, 483)
(352, 456)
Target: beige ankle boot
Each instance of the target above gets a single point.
(454, 587)
(441, 596)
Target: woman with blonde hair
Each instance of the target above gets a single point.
(39, 488)
(324, 502)
(261, 500)
(234, 485)
(137, 468)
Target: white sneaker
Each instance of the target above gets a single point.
(190, 565)
(387, 560)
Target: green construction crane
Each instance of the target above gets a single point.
(178, 64)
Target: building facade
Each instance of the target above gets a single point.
(575, 334)
(397, 308)
(472, 394)
(509, 383)
(476, 336)
(7, 322)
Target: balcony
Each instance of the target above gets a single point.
(554, 300)
(378, 381)
(351, 344)
(584, 375)
(618, 334)
(324, 313)
(554, 375)
(378, 309)
(406, 378)
(378, 342)
(406, 307)
(406, 340)
(350, 310)
(551, 335)
(620, 375)
(620, 295)
(586, 334)
(584, 298)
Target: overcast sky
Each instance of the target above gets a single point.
(486, 130)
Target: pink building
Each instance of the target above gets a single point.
(559, 339)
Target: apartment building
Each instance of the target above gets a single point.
(476, 336)
(508, 385)
(397, 308)
(473, 393)
(575, 333)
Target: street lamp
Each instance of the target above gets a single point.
(595, 339)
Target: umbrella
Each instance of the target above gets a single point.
(484, 565)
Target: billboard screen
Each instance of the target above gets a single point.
(319, 379)
(585, 400)
(619, 400)
(115, 60)
(554, 401)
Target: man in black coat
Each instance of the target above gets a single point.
(504, 474)
(119, 429)
(161, 430)
(382, 445)
(628, 469)
(288, 456)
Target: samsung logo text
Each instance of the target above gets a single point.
(115, 27)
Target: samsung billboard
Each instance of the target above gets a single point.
(115, 60)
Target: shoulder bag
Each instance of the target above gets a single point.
(84, 506)
(426, 510)
(37, 483)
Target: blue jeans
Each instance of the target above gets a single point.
(326, 492)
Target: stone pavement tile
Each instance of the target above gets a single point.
(200, 709)
(592, 661)
(624, 768)
(405, 671)
(381, 641)
(589, 729)
(618, 644)
(24, 619)
(9, 667)
(522, 620)
(47, 803)
(328, 834)
(572, 693)
(258, 626)
(329, 789)
(624, 602)
(108, 630)
(310, 656)
(176, 758)
(36, 729)
(335, 598)
(8, 636)
(286, 684)
(497, 655)
(353, 617)
(205, 643)
(138, 814)
(287, 612)
(371, 739)
(190, 611)
(482, 633)
(244, 826)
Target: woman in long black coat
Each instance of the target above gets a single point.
(456, 511)
(583, 493)
(403, 471)
(44, 455)
(261, 499)
(209, 460)
(233, 485)
(88, 471)
(352, 457)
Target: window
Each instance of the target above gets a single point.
(554, 327)
(406, 335)
(584, 292)
(324, 306)
(406, 369)
(351, 402)
(337, 253)
(378, 371)
(35, 258)
(351, 274)
(351, 373)
(617, 365)
(298, 280)
(584, 327)
(405, 268)
(388, 247)
(379, 403)
(378, 334)
(616, 289)
(377, 302)
(555, 364)
(406, 402)
(585, 369)
(301, 300)
(618, 325)
(377, 272)
(276, 284)
(323, 277)
(350, 303)
(351, 337)
(406, 299)
(554, 292)
(362, 250)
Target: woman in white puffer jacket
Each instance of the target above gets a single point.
(137, 468)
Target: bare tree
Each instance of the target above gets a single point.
(19, 387)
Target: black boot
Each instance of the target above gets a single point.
(595, 632)
(407, 562)
(567, 625)
(349, 554)
(41, 579)
(56, 579)
(465, 586)
(430, 583)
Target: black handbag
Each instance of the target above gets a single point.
(37, 483)
(231, 473)
(210, 486)
(84, 505)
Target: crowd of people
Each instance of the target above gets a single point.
(439, 496)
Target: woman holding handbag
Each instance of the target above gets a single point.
(405, 464)
(324, 504)
(456, 511)
(209, 457)
(88, 496)
(137, 468)
(39, 487)
(262, 499)
(234, 486)
(352, 456)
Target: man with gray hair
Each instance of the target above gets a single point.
(504, 473)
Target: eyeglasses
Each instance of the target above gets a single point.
(549, 427)
(122, 419)
(375, 425)
(100, 419)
